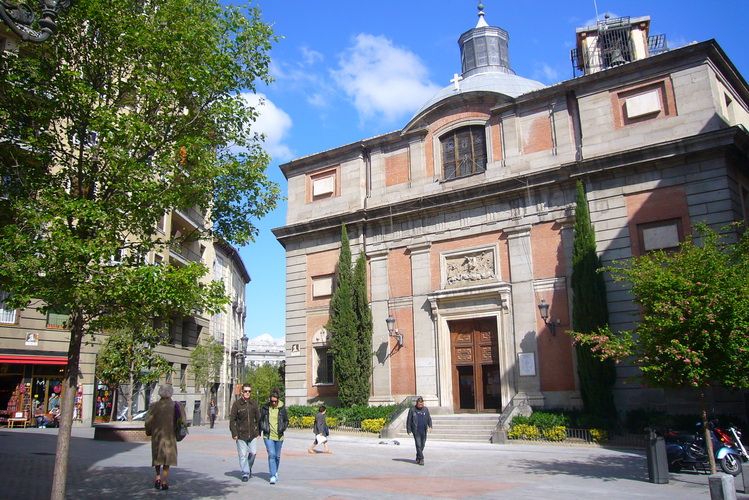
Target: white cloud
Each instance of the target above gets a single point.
(545, 73)
(383, 81)
(311, 56)
(274, 123)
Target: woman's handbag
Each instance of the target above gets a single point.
(180, 427)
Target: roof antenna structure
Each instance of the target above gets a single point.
(595, 4)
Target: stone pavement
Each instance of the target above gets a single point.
(359, 468)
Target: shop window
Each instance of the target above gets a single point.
(7, 315)
(323, 366)
(463, 152)
(661, 235)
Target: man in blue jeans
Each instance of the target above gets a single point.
(419, 423)
(244, 418)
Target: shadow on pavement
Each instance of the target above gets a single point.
(604, 468)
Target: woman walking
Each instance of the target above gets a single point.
(160, 425)
(273, 423)
(321, 431)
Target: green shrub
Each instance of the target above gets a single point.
(523, 431)
(520, 420)
(546, 419)
(373, 425)
(599, 435)
(556, 433)
(343, 415)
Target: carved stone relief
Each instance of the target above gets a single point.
(470, 268)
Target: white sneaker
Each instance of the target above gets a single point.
(273, 479)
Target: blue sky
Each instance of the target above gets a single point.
(346, 71)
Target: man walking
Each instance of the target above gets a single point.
(419, 423)
(244, 419)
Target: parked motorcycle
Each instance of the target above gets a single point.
(688, 450)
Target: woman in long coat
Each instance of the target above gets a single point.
(160, 426)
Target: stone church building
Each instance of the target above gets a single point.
(466, 215)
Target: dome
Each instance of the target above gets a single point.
(499, 83)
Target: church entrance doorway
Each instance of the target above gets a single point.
(475, 365)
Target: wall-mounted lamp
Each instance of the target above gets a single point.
(391, 328)
(543, 308)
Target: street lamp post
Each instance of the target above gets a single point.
(240, 356)
(22, 21)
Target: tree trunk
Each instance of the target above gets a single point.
(130, 394)
(708, 433)
(70, 389)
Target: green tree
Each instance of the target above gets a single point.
(364, 332)
(206, 360)
(590, 312)
(695, 315)
(133, 110)
(342, 325)
(128, 357)
(264, 379)
(350, 325)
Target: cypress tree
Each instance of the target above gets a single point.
(589, 312)
(342, 326)
(364, 330)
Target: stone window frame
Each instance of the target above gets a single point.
(641, 227)
(455, 128)
(7, 316)
(319, 175)
(665, 89)
(318, 279)
(321, 350)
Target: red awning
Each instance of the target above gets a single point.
(35, 360)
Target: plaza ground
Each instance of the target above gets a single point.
(359, 468)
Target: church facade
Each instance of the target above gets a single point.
(466, 215)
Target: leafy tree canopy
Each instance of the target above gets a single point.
(694, 328)
(205, 361)
(264, 379)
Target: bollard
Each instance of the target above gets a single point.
(742, 483)
(655, 448)
(721, 487)
(196, 413)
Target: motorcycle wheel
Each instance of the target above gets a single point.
(731, 464)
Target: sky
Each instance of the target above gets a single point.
(347, 71)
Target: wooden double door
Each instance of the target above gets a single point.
(475, 365)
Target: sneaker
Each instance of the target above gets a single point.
(273, 479)
(245, 478)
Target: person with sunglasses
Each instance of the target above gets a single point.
(244, 419)
(273, 423)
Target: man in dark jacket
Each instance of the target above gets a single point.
(273, 423)
(244, 419)
(419, 423)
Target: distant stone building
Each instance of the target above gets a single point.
(265, 350)
(466, 216)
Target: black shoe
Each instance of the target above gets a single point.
(245, 478)
(164, 486)
(157, 484)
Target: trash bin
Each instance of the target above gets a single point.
(196, 414)
(655, 448)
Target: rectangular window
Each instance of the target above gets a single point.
(661, 235)
(169, 373)
(183, 378)
(324, 370)
(322, 286)
(463, 152)
(7, 315)
(57, 319)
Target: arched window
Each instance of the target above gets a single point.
(463, 152)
